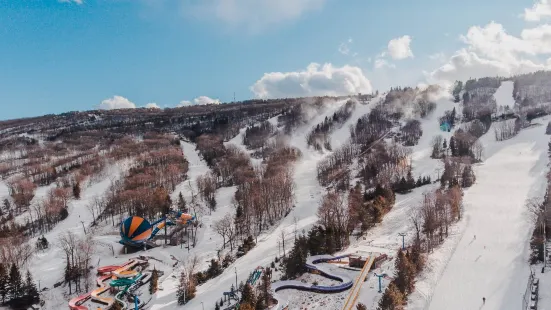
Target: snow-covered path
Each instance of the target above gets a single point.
(4, 191)
(504, 94)
(197, 167)
(494, 264)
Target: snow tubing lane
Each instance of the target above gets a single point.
(317, 288)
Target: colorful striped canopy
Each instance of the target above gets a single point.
(135, 229)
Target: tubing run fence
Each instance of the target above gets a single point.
(526, 298)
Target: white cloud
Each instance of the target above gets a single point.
(72, 1)
(152, 105)
(316, 80)
(184, 103)
(254, 15)
(541, 9)
(399, 48)
(438, 56)
(201, 100)
(117, 102)
(492, 51)
(381, 63)
(344, 48)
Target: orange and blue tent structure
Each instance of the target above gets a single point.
(136, 230)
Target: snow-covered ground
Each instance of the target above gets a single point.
(307, 195)
(504, 94)
(4, 192)
(238, 141)
(423, 164)
(48, 265)
(459, 272)
(197, 167)
(342, 134)
(494, 264)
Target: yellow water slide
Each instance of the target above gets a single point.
(107, 301)
(125, 271)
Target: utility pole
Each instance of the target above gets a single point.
(403, 235)
(235, 278)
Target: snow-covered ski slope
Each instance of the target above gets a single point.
(423, 164)
(308, 192)
(503, 95)
(494, 263)
(197, 167)
(487, 254)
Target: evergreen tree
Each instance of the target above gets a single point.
(42, 243)
(406, 272)
(419, 182)
(361, 306)
(296, 260)
(248, 296)
(76, 190)
(3, 282)
(467, 177)
(182, 203)
(214, 269)
(31, 292)
(445, 144)
(410, 180)
(216, 306)
(392, 298)
(452, 119)
(265, 289)
(15, 283)
(153, 283)
(453, 149)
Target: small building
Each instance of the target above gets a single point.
(357, 261)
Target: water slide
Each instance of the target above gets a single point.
(75, 303)
(254, 277)
(130, 285)
(107, 301)
(126, 283)
(127, 270)
(355, 291)
(106, 272)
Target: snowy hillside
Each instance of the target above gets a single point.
(242, 205)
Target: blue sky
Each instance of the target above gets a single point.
(58, 56)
